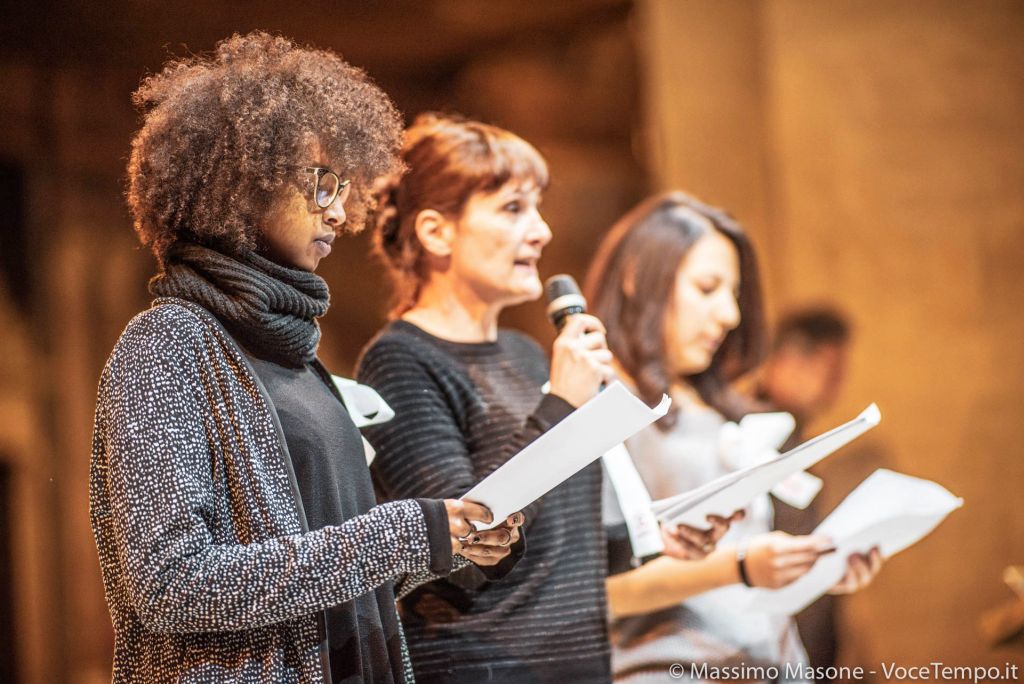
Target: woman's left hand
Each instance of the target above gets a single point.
(861, 570)
(490, 546)
(689, 543)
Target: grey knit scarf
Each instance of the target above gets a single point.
(270, 309)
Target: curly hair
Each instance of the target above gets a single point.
(222, 133)
(448, 159)
(631, 282)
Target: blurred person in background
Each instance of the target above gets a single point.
(230, 499)
(461, 233)
(803, 375)
(804, 371)
(675, 281)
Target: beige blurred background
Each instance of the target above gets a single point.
(875, 150)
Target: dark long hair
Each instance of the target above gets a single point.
(630, 286)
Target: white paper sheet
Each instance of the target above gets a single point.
(634, 502)
(735, 490)
(888, 510)
(611, 417)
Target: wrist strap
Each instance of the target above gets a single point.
(741, 564)
(649, 557)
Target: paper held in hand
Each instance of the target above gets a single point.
(736, 490)
(889, 510)
(608, 419)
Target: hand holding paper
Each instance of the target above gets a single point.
(888, 510)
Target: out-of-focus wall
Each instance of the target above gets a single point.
(66, 129)
(876, 153)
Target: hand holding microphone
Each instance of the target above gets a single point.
(580, 360)
(581, 364)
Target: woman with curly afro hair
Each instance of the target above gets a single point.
(230, 500)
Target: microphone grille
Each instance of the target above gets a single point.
(564, 298)
(560, 286)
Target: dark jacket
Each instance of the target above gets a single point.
(209, 572)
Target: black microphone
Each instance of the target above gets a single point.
(564, 299)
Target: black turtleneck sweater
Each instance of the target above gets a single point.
(326, 449)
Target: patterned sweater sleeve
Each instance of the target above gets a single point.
(152, 454)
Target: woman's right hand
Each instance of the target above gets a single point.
(487, 547)
(580, 360)
(775, 559)
(690, 543)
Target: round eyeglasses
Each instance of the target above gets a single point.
(328, 186)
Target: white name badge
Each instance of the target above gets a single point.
(757, 439)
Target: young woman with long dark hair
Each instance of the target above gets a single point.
(676, 283)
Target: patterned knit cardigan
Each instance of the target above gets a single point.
(209, 572)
